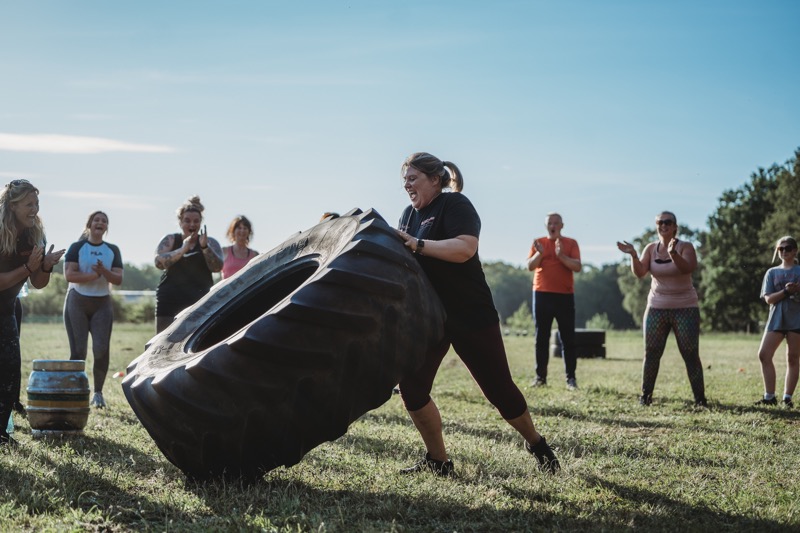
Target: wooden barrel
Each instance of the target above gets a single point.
(58, 396)
(588, 343)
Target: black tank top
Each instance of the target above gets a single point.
(183, 283)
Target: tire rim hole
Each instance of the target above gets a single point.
(253, 304)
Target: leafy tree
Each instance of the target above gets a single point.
(736, 256)
(510, 286)
(597, 292)
(521, 322)
(783, 220)
(141, 278)
(599, 321)
(46, 301)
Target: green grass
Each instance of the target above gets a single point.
(664, 468)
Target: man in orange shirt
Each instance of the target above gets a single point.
(553, 260)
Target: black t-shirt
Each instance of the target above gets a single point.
(185, 282)
(462, 287)
(8, 263)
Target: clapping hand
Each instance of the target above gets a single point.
(99, 268)
(203, 237)
(626, 248)
(35, 259)
(671, 247)
(189, 243)
(51, 258)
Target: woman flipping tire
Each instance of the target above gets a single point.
(287, 353)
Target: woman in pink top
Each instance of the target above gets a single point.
(671, 305)
(238, 254)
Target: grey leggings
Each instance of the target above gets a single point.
(84, 315)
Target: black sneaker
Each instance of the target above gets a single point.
(539, 382)
(645, 399)
(572, 384)
(763, 401)
(701, 403)
(440, 468)
(544, 454)
(788, 403)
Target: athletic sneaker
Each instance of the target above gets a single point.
(98, 401)
(544, 454)
(763, 401)
(645, 399)
(702, 403)
(440, 468)
(539, 382)
(788, 403)
(572, 384)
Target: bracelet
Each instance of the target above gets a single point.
(204, 247)
(27, 268)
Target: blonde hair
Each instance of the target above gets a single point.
(787, 239)
(13, 193)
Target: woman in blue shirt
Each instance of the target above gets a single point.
(780, 290)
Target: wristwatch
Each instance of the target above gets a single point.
(420, 246)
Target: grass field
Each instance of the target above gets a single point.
(668, 467)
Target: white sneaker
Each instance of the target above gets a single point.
(98, 401)
(572, 384)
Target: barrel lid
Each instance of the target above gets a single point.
(59, 365)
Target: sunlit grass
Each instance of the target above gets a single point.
(668, 467)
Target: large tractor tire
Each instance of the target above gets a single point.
(287, 353)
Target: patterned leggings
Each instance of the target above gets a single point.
(686, 325)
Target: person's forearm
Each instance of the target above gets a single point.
(450, 250)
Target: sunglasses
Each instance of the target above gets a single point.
(17, 183)
(665, 222)
(786, 248)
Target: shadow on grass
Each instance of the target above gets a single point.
(677, 514)
(79, 473)
(423, 502)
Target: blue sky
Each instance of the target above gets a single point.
(605, 111)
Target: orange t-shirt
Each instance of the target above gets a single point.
(551, 275)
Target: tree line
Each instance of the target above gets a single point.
(734, 253)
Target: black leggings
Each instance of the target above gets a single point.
(10, 368)
(484, 355)
(561, 307)
(85, 314)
